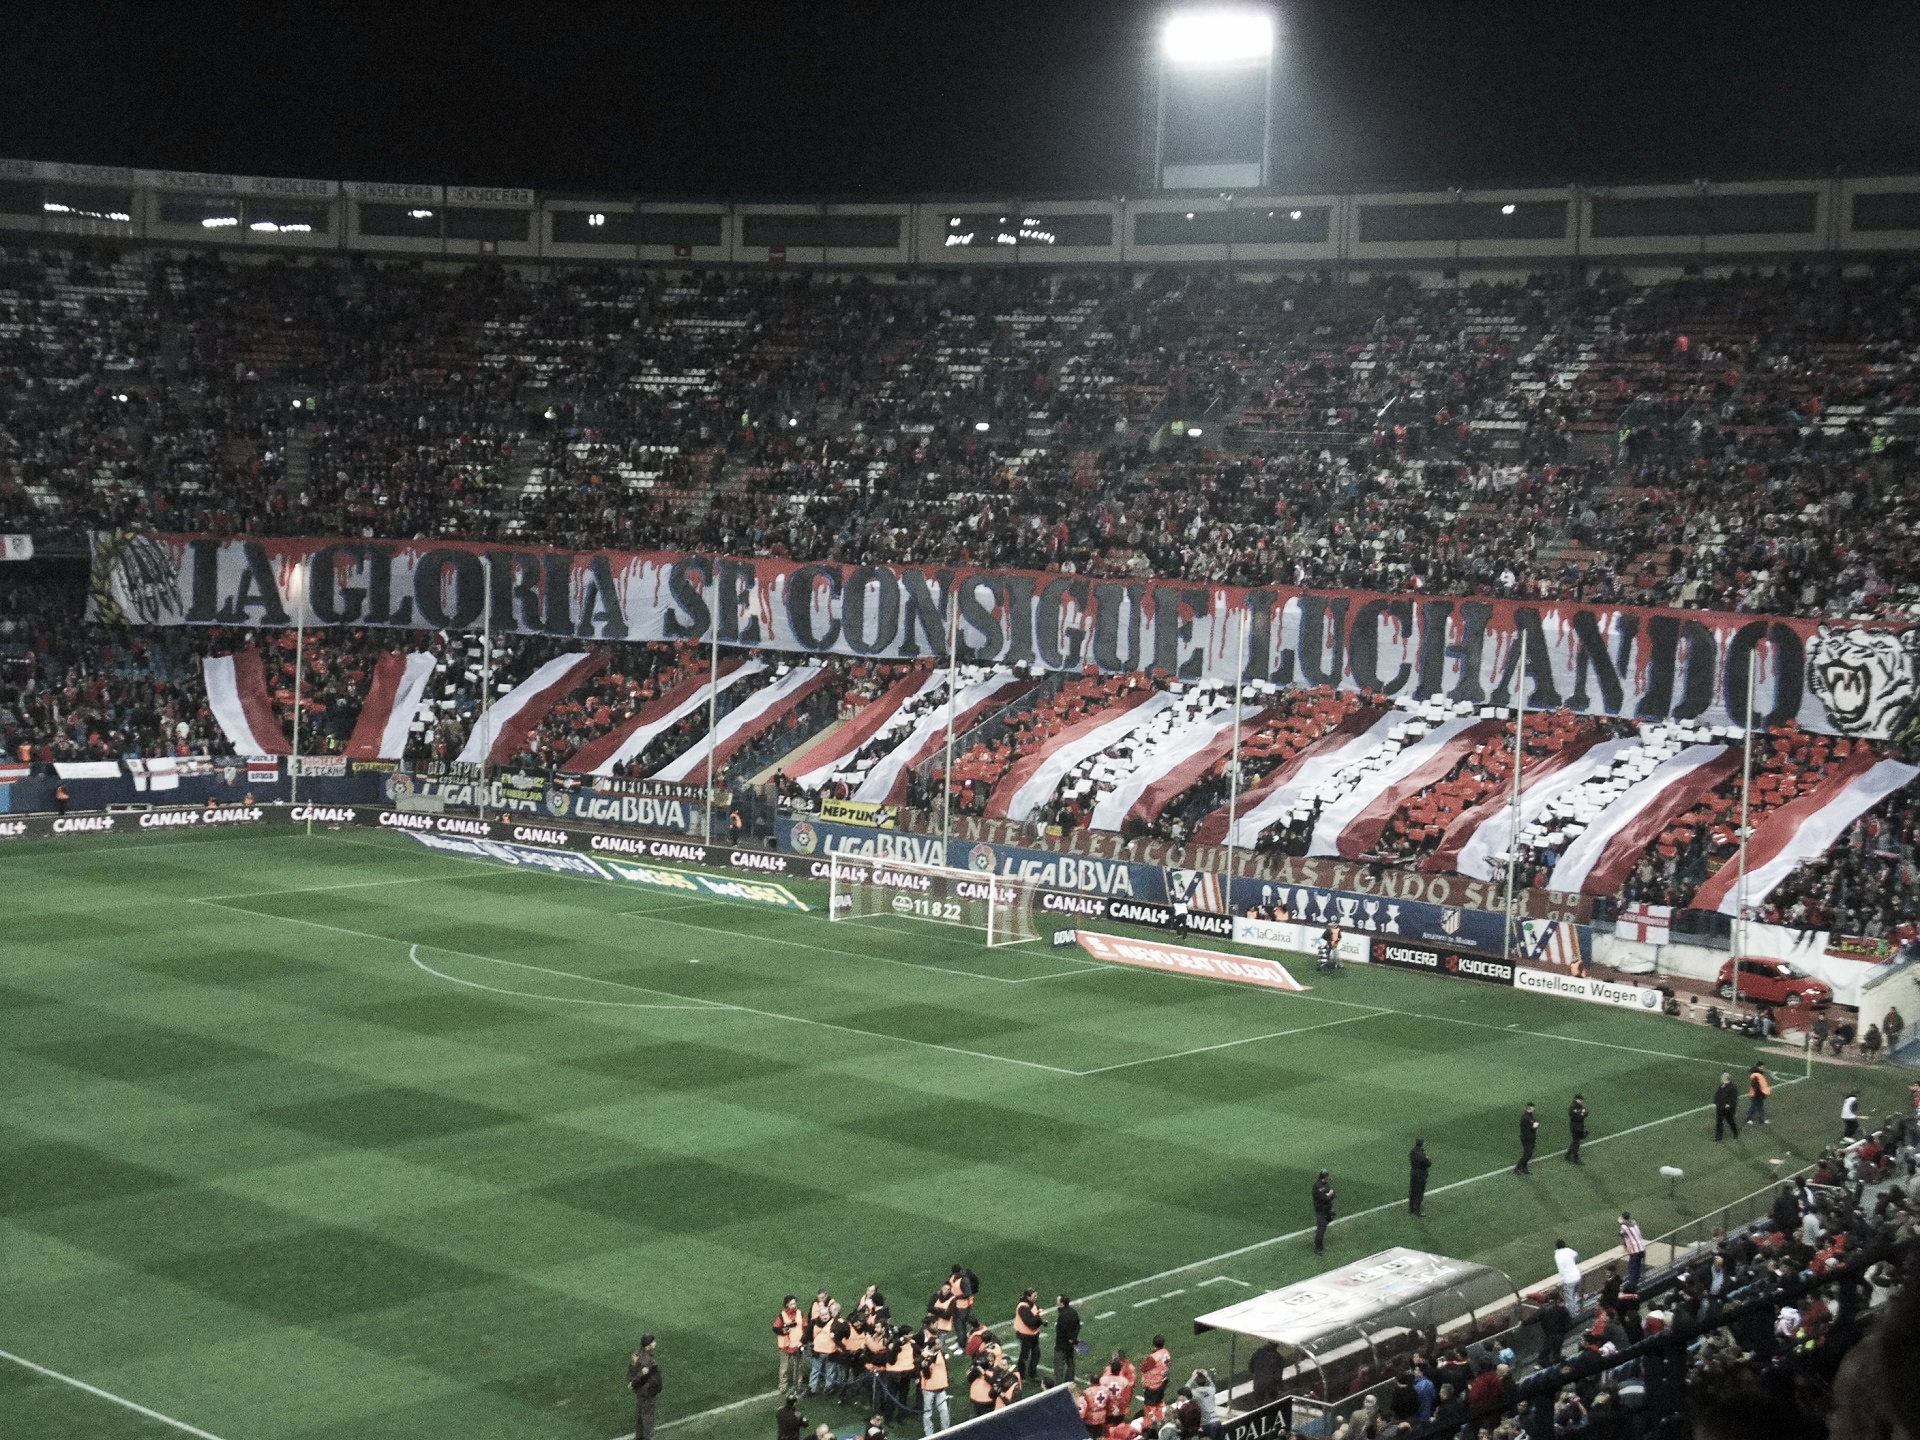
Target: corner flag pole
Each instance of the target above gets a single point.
(1233, 766)
(946, 775)
(1519, 752)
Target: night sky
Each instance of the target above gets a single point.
(827, 98)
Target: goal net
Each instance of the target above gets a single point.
(869, 888)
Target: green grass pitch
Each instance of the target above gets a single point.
(332, 1136)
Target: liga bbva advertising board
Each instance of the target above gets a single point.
(1645, 663)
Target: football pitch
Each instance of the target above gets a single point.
(330, 1136)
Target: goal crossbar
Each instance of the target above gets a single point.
(871, 887)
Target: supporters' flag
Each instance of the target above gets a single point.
(237, 696)
(393, 700)
(1329, 831)
(1197, 890)
(161, 773)
(1604, 854)
(1033, 779)
(1437, 761)
(1268, 802)
(263, 769)
(1184, 960)
(1648, 924)
(1552, 943)
(738, 727)
(516, 714)
(632, 735)
(16, 547)
(886, 782)
(1474, 838)
(10, 773)
(1197, 737)
(845, 742)
(1175, 782)
(1804, 828)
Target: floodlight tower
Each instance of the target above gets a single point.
(1213, 99)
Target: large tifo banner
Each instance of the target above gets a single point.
(1648, 664)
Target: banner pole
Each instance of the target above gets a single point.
(946, 774)
(1746, 790)
(486, 683)
(713, 699)
(1233, 766)
(299, 675)
(1519, 753)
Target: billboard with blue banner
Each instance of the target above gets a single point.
(1448, 925)
(1418, 920)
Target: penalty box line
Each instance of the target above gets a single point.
(107, 1395)
(494, 867)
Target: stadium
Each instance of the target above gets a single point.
(1191, 811)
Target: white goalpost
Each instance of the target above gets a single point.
(870, 888)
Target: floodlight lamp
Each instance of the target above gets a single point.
(419, 214)
(1217, 36)
(1507, 209)
(1194, 431)
(596, 219)
(983, 425)
(219, 222)
(1293, 214)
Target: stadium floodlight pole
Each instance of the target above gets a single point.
(1746, 790)
(713, 699)
(1513, 822)
(486, 682)
(1233, 766)
(946, 775)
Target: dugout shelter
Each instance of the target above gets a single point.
(1344, 1329)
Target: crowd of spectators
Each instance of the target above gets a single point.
(1737, 442)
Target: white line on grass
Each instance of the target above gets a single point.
(1248, 1250)
(349, 885)
(1422, 1015)
(413, 954)
(650, 990)
(108, 1395)
(494, 866)
(1229, 1044)
(1389, 1205)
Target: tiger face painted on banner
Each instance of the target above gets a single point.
(1865, 678)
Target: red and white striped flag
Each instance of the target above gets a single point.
(237, 696)
(1554, 944)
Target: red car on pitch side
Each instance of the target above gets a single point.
(1774, 982)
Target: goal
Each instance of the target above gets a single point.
(870, 887)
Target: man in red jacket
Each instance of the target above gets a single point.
(1153, 1380)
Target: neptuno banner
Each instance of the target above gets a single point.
(1648, 664)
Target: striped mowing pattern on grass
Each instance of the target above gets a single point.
(315, 1136)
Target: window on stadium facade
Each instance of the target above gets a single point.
(201, 211)
(397, 221)
(1887, 210)
(1662, 215)
(833, 232)
(289, 217)
(1464, 220)
(88, 202)
(467, 222)
(593, 227)
(1014, 229)
(688, 228)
